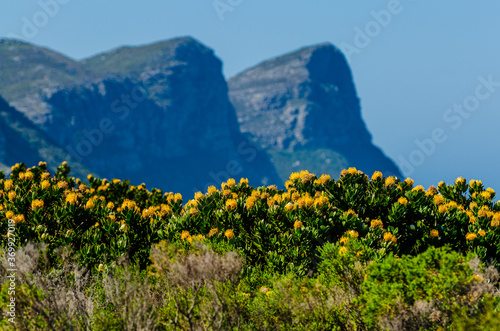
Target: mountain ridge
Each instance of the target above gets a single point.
(192, 112)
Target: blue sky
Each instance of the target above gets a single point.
(411, 69)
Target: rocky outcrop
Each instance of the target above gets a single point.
(305, 103)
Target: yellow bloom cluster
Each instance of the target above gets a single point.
(297, 224)
(8, 184)
(470, 236)
(231, 204)
(434, 233)
(71, 198)
(390, 237)
(37, 204)
(376, 223)
(376, 175)
(403, 200)
(229, 234)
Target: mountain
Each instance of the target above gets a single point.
(21, 141)
(302, 108)
(158, 113)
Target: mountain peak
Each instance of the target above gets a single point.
(306, 101)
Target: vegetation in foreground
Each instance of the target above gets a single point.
(356, 253)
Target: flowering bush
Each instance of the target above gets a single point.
(344, 232)
(105, 219)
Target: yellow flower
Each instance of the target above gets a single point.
(89, 176)
(8, 184)
(438, 199)
(12, 195)
(320, 201)
(42, 164)
(250, 202)
(470, 236)
(434, 233)
(211, 189)
(297, 224)
(442, 208)
(343, 250)
(376, 175)
(229, 234)
(110, 205)
(344, 240)
(90, 204)
(486, 195)
(45, 175)
(116, 181)
(288, 184)
(390, 181)
(185, 234)
(459, 180)
(482, 213)
(193, 211)
(231, 182)
(96, 224)
(35, 204)
(198, 195)
(231, 204)
(353, 234)
(323, 179)
(376, 223)
(352, 171)
(294, 176)
(431, 191)
(213, 232)
(481, 232)
(418, 188)
(71, 198)
(112, 217)
(9, 215)
(64, 164)
(21, 175)
(128, 204)
(289, 206)
(305, 176)
(18, 218)
(243, 181)
(409, 181)
(226, 192)
(390, 237)
(178, 197)
(403, 200)
(28, 175)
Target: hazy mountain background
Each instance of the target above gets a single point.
(162, 114)
(414, 66)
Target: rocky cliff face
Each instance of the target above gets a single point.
(303, 109)
(158, 114)
(21, 141)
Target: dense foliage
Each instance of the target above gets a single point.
(353, 253)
